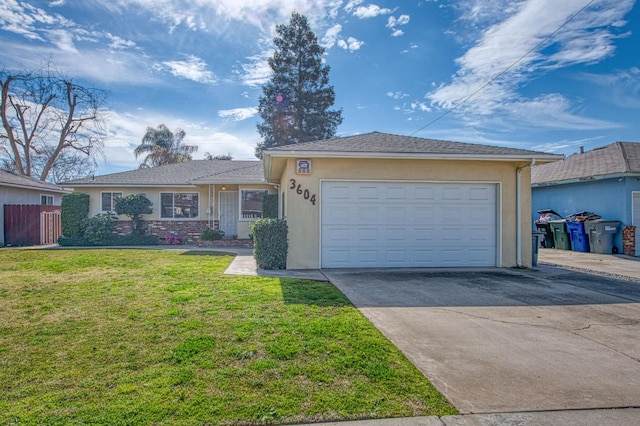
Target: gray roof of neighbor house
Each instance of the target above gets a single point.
(384, 145)
(614, 160)
(19, 181)
(189, 173)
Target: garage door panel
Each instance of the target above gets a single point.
(393, 224)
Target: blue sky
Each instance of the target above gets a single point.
(396, 66)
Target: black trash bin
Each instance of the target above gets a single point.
(602, 235)
(542, 225)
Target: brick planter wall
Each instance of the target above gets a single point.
(629, 240)
(189, 230)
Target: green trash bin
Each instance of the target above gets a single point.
(602, 234)
(561, 237)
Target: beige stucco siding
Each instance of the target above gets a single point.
(304, 218)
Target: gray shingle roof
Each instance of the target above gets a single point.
(187, 173)
(381, 143)
(615, 159)
(19, 181)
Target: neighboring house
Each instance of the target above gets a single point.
(381, 200)
(605, 181)
(22, 190)
(187, 197)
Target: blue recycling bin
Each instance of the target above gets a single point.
(579, 238)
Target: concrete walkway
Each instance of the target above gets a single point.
(616, 266)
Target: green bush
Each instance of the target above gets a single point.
(270, 243)
(131, 240)
(210, 234)
(73, 241)
(134, 206)
(74, 209)
(270, 206)
(99, 228)
(110, 241)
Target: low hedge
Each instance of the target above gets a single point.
(110, 241)
(270, 243)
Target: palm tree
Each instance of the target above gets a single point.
(162, 146)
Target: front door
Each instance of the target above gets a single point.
(228, 212)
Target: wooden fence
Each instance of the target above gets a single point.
(27, 225)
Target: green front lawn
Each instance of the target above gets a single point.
(149, 336)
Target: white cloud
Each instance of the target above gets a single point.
(392, 22)
(238, 114)
(222, 16)
(331, 36)
(515, 30)
(352, 4)
(119, 42)
(193, 68)
(370, 11)
(350, 44)
(257, 71)
(621, 88)
(397, 95)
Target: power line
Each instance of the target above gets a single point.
(501, 73)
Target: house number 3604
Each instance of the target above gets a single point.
(302, 192)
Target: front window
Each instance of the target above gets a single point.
(46, 200)
(251, 203)
(109, 200)
(179, 205)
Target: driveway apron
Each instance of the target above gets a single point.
(496, 340)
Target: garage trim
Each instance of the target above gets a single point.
(497, 208)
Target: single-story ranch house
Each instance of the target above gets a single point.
(371, 200)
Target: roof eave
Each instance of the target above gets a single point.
(412, 156)
(34, 187)
(127, 185)
(584, 179)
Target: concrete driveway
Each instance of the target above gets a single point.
(497, 340)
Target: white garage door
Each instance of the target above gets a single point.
(408, 224)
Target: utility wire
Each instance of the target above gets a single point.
(501, 73)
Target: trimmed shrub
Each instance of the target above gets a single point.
(270, 206)
(211, 234)
(270, 243)
(99, 228)
(72, 241)
(110, 241)
(74, 209)
(134, 206)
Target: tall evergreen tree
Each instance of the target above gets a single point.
(295, 105)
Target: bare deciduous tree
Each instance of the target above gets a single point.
(49, 122)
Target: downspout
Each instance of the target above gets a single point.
(519, 212)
